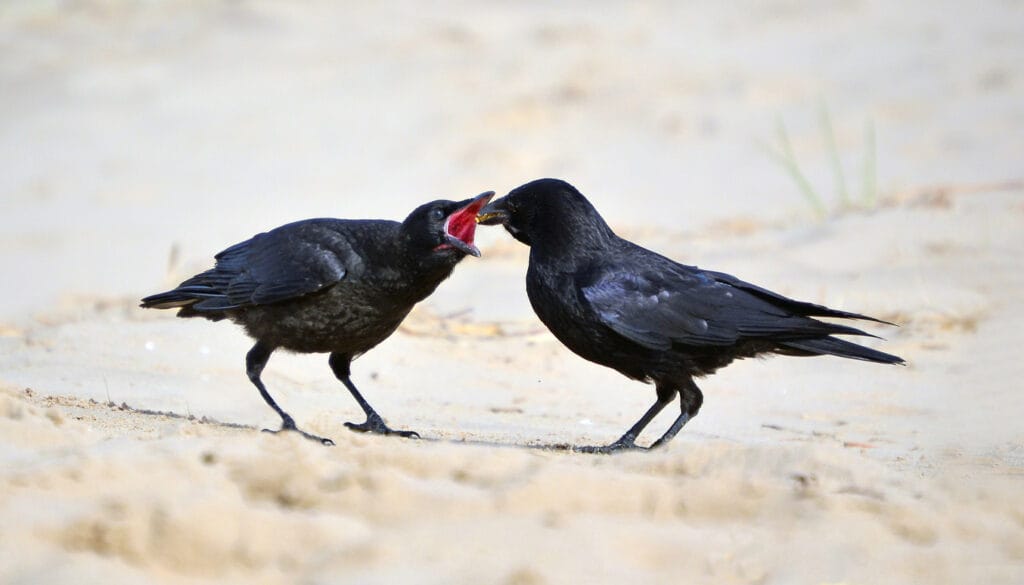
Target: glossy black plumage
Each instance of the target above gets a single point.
(329, 286)
(650, 318)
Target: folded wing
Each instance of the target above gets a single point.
(666, 303)
(289, 262)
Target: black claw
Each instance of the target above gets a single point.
(289, 426)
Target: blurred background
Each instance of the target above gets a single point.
(138, 134)
(863, 154)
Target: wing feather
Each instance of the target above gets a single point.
(289, 262)
(667, 303)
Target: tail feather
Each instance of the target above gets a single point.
(799, 307)
(191, 300)
(821, 311)
(171, 299)
(842, 348)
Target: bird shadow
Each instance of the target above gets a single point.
(203, 420)
(550, 447)
(209, 421)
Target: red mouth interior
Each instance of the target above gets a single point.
(462, 223)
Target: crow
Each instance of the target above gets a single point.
(650, 318)
(337, 286)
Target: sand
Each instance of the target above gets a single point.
(137, 140)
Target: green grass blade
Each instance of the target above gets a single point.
(870, 178)
(786, 158)
(833, 150)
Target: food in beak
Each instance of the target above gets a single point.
(493, 214)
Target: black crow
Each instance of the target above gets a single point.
(335, 286)
(648, 317)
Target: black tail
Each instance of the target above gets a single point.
(171, 299)
(841, 348)
(188, 299)
(797, 307)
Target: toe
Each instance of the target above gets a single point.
(608, 449)
(359, 428)
(379, 428)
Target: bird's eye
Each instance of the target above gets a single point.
(436, 213)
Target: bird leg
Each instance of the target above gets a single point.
(374, 423)
(255, 361)
(690, 401)
(628, 440)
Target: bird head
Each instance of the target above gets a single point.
(545, 210)
(446, 227)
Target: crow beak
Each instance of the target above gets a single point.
(493, 214)
(460, 226)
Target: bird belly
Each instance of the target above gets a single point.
(575, 326)
(328, 322)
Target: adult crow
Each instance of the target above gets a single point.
(652, 319)
(335, 286)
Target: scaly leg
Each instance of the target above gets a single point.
(628, 440)
(374, 423)
(690, 401)
(255, 361)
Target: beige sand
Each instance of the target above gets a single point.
(129, 440)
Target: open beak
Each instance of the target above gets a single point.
(493, 214)
(460, 226)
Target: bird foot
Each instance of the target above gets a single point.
(375, 424)
(289, 425)
(626, 443)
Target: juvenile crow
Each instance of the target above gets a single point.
(650, 318)
(335, 286)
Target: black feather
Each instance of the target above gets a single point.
(328, 285)
(647, 316)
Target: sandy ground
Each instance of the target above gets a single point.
(138, 139)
